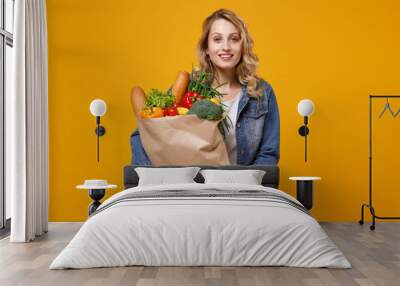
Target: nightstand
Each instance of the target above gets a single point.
(97, 190)
(305, 190)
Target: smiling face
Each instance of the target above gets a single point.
(224, 45)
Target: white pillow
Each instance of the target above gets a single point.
(248, 177)
(164, 176)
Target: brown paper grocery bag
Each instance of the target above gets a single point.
(182, 140)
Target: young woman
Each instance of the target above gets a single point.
(225, 50)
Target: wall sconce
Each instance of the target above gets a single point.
(98, 108)
(305, 109)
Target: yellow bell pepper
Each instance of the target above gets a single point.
(153, 112)
(182, 110)
(215, 100)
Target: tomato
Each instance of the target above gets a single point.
(196, 96)
(165, 111)
(191, 94)
(171, 111)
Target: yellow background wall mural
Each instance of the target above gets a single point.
(334, 52)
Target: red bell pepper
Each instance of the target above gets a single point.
(189, 98)
(186, 102)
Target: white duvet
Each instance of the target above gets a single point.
(200, 231)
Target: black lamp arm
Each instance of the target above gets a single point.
(100, 131)
(303, 131)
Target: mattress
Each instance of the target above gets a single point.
(201, 225)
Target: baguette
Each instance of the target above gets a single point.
(138, 100)
(180, 86)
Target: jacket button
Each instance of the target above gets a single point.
(238, 125)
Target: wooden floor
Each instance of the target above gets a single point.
(375, 257)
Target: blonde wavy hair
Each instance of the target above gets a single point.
(246, 68)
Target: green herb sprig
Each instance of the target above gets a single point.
(200, 82)
(157, 98)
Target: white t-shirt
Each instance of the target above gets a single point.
(230, 134)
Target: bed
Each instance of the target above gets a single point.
(201, 224)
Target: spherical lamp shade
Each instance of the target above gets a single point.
(98, 107)
(305, 107)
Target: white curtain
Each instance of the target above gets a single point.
(27, 124)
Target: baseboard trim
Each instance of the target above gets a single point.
(5, 231)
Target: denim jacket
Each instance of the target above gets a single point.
(257, 131)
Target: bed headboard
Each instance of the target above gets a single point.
(271, 177)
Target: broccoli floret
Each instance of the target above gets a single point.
(206, 109)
